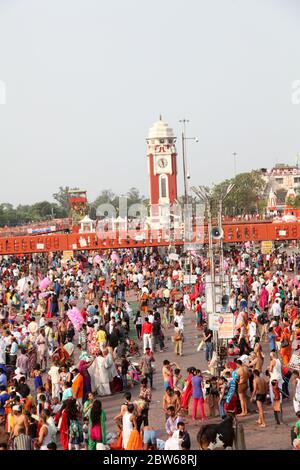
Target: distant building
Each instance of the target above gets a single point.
(162, 171)
(281, 179)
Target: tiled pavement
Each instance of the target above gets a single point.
(271, 437)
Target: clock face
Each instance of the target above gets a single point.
(162, 162)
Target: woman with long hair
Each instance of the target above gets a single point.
(74, 425)
(62, 425)
(97, 425)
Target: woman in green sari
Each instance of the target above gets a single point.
(88, 405)
(97, 425)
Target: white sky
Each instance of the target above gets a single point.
(85, 79)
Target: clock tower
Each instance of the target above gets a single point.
(161, 155)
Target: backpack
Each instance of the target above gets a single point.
(178, 336)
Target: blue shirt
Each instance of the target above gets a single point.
(231, 390)
(4, 396)
(3, 380)
(197, 386)
(271, 339)
(67, 394)
(91, 310)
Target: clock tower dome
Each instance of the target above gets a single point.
(161, 155)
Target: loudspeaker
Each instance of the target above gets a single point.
(217, 233)
(225, 300)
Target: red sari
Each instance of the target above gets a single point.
(187, 393)
(48, 314)
(64, 431)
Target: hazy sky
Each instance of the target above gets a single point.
(85, 79)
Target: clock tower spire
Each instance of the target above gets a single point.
(161, 155)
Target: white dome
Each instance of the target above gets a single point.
(160, 130)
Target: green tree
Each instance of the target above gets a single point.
(134, 197)
(294, 201)
(245, 196)
(41, 211)
(107, 196)
(62, 198)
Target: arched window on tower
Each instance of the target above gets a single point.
(163, 186)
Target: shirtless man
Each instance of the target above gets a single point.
(259, 393)
(243, 375)
(166, 372)
(171, 399)
(20, 421)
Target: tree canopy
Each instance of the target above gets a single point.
(247, 195)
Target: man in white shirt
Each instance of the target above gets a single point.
(55, 378)
(179, 319)
(255, 286)
(112, 324)
(2, 351)
(33, 329)
(151, 317)
(276, 309)
(252, 332)
(140, 280)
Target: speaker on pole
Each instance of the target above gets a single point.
(217, 233)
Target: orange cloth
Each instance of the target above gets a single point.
(135, 441)
(77, 386)
(286, 353)
(117, 444)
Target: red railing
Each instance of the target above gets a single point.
(233, 233)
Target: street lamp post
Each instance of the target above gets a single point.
(184, 158)
(186, 212)
(234, 162)
(183, 138)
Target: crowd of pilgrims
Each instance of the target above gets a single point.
(55, 367)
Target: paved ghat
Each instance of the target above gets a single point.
(271, 437)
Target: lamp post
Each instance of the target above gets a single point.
(186, 212)
(184, 158)
(234, 162)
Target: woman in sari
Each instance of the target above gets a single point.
(97, 425)
(32, 357)
(187, 391)
(83, 369)
(63, 427)
(286, 346)
(264, 297)
(48, 314)
(88, 405)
